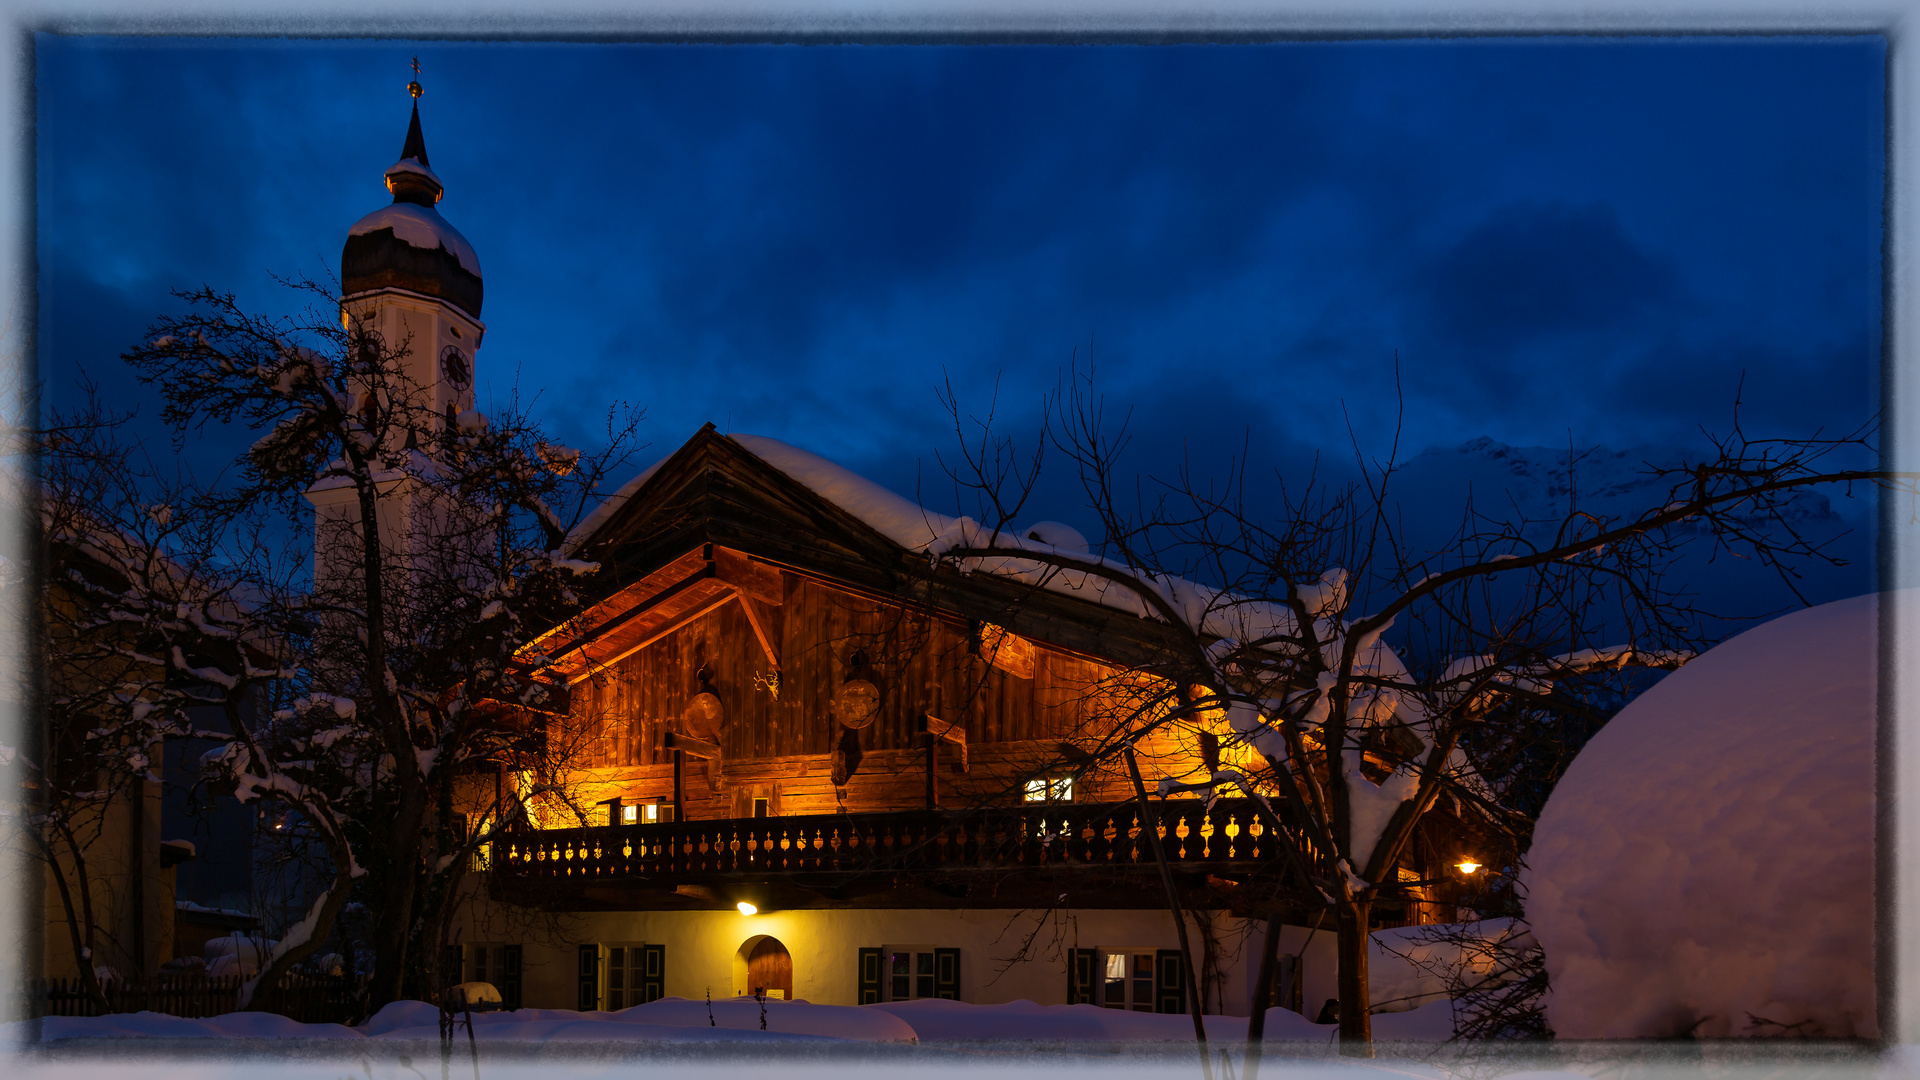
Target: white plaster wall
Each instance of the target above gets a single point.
(702, 949)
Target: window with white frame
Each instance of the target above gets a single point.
(1127, 979)
(909, 972)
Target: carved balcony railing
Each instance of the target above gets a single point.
(1197, 836)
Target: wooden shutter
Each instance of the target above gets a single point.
(946, 974)
(621, 964)
(1083, 966)
(869, 981)
(509, 976)
(652, 980)
(1169, 982)
(589, 978)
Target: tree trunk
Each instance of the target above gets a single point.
(394, 927)
(82, 958)
(1263, 998)
(1356, 1021)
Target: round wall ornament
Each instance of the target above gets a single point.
(703, 717)
(857, 703)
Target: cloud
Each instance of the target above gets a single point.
(1533, 273)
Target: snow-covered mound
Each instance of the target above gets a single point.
(1706, 864)
(679, 1020)
(1025, 1021)
(152, 1025)
(668, 1019)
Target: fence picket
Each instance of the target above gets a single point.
(310, 999)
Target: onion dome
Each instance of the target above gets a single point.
(409, 245)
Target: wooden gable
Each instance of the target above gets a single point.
(714, 491)
(735, 605)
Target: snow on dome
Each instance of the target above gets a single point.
(1707, 862)
(1058, 534)
(421, 227)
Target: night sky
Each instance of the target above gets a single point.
(1587, 241)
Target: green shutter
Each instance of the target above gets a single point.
(1169, 982)
(946, 974)
(509, 977)
(1082, 967)
(869, 981)
(589, 978)
(653, 972)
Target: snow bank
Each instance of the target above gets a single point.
(151, 1025)
(1024, 1021)
(1706, 864)
(666, 1019)
(833, 1021)
(738, 1020)
(938, 1020)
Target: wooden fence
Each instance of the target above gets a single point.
(310, 999)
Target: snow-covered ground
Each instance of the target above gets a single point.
(678, 1020)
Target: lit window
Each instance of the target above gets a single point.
(1055, 789)
(651, 813)
(1128, 982)
(630, 813)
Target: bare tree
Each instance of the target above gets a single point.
(398, 662)
(1279, 615)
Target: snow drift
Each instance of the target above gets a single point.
(1706, 864)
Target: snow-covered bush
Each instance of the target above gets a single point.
(1706, 865)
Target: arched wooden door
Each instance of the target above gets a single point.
(770, 968)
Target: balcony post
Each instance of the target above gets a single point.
(933, 765)
(679, 785)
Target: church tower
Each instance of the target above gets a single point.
(409, 276)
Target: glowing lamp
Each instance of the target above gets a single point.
(1466, 866)
(746, 908)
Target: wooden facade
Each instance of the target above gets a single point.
(803, 667)
(777, 730)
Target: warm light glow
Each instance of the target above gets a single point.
(746, 908)
(1466, 866)
(630, 813)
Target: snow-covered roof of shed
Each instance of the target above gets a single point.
(421, 227)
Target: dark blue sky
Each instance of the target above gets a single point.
(1585, 240)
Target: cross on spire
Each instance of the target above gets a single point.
(414, 86)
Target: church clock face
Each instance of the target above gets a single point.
(455, 369)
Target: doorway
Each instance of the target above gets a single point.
(770, 968)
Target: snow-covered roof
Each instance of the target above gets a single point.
(411, 165)
(608, 507)
(421, 227)
(916, 528)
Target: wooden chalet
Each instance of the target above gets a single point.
(775, 704)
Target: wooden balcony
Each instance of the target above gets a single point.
(1225, 838)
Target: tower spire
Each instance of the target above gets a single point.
(416, 145)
